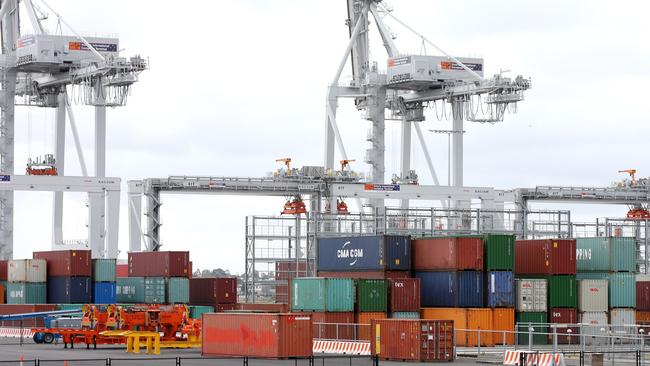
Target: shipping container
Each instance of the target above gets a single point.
(642, 316)
(322, 294)
(622, 254)
(448, 254)
(457, 315)
(438, 288)
(499, 252)
(130, 290)
(155, 290)
(69, 290)
(592, 276)
(479, 320)
(335, 326)
(592, 254)
(268, 308)
(178, 290)
(622, 290)
(503, 322)
(545, 257)
(27, 270)
(404, 294)
(286, 270)
(365, 275)
(364, 320)
(592, 295)
(591, 324)
(104, 293)
(470, 289)
(159, 264)
(405, 315)
(104, 270)
(70, 263)
(562, 317)
(364, 253)
(210, 290)
(413, 340)
(643, 295)
(197, 311)
(534, 320)
(26, 293)
(532, 295)
(372, 295)
(500, 289)
(562, 292)
(220, 308)
(257, 335)
(623, 322)
(3, 270)
(122, 270)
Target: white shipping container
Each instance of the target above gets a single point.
(531, 295)
(27, 270)
(642, 277)
(623, 322)
(592, 295)
(594, 327)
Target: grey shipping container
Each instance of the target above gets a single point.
(178, 290)
(155, 290)
(591, 324)
(592, 295)
(364, 253)
(104, 270)
(532, 295)
(27, 270)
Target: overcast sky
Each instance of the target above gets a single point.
(235, 84)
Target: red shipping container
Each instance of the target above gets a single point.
(643, 295)
(268, 308)
(361, 275)
(282, 294)
(564, 316)
(210, 290)
(122, 270)
(3, 270)
(159, 264)
(404, 294)
(545, 257)
(334, 326)
(257, 335)
(413, 340)
(220, 308)
(286, 270)
(447, 254)
(68, 263)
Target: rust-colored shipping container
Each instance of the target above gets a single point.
(220, 308)
(159, 264)
(457, 315)
(564, 316)
(404, 294)
(2, 294)
(8, 309)
(643, 295)
(334, 326)
(122, 270)
(211, 290)
(642, 317)
(257, 335)
(3, 270)
(364, 319)
(413, 340)
(447, 254)
(68, 263)
(545, 257)
(503, 320)
(282, 294)
(286, 270)
(270, 308)
(480, 319)
(365, 275)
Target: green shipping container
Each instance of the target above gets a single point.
(178, 290)
(154, 290)
(592, 254)
(622, 254)
(130, 290)
(322, 294)
(26, 293)
(372, 295)
(197, 310)
(104, 270)
(562, 292)
(524, 321)
(499, 252)
(622, 290)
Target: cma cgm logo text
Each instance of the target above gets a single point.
(351, 253)
(583, 254)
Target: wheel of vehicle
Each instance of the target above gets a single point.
(48, 338)
(38, 338)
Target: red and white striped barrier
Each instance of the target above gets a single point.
(344, 348)
(512, 358)
(15, 333)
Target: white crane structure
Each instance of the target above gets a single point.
(55, 71)
(410, 83)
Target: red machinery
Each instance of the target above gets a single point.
(294, 206)
(46, 166)
(636, 212)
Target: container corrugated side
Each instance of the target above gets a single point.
(405, 315)
(537, 321)
(592, 322)
(159, 264)
(545, 257)
(622, 253)
(448, 253)
(3, 270)
(210, 290)
(593, 295)
(622, 290)
(500, 289)
(372, 295)
(643, 295)
(438, 289)
(27, 270)
(360, 253)
(532, 295)
(457, 315)
(104, 270)
(130, 290)
(104, 293)
(592, 254)
(69, 290)
(503, 322)
(308, 294)
(178, 290)
(334, 326)
(72, 263)
(562, 292)
(499, 252)
(364, 275)
(623, 321)
(155, 290)
(479, 319)
(404, 294)
(470, 289)
(413, 340)
(26, 293)
(364, 320)
(562, 317)
(398, 252)
(340, 294)
(196, 311)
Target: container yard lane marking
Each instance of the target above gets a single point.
(342, 348)
(512, 358)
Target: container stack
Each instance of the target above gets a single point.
(219, 294)
(104, 278)
(612, 259)
(164, 277)
(499, 264)
(643, 299)
(27, 280)
(68, 276)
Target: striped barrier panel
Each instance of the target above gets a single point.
(15, 333)
(512, 358)
(342, 348)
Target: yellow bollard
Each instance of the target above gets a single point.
(136, 344)
(129, 344)
(157, 344)
(149, 344)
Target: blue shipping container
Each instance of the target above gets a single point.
(500, 289)
(470, 289)
(104, 293)
(69, 290)
(365, 253)
(438, 289)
